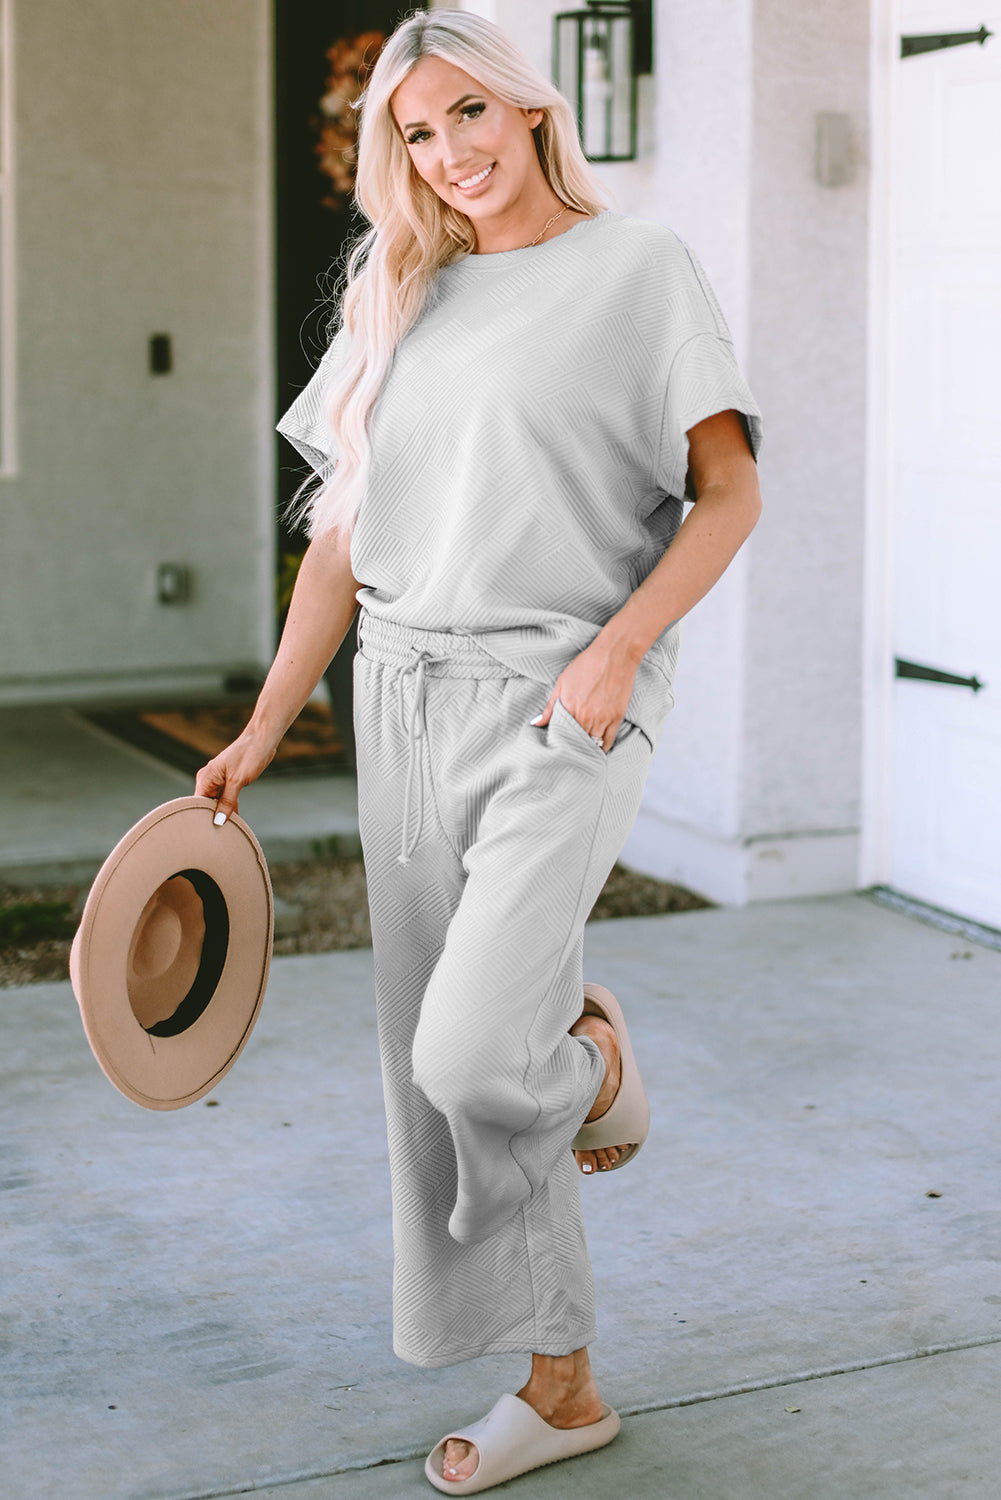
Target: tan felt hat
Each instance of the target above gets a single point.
(171, 958)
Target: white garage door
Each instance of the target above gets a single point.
(946, 813)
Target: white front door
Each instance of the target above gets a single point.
(946, 278)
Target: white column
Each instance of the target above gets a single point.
(754, 793)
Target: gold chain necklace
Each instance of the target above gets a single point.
(545, 227)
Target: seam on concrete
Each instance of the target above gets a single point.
(775, 1382)
(935, 916)
(696, 1398)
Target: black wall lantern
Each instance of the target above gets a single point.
(598, 54)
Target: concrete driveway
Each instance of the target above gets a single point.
(799, 1279)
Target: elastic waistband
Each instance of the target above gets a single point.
(447, 653)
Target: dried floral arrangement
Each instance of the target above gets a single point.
(351, 60)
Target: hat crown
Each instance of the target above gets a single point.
(157, 941)
(165, 951)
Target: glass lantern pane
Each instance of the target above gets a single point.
(567, 49)
(621, 70)
(596, 87)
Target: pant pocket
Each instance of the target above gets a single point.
(562, 714)
(626, 730)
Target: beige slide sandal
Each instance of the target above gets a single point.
(512, 1439)
(626, 1121)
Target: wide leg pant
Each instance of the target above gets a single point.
(486, 842)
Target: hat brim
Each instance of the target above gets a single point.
(170, 1071)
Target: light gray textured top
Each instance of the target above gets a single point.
(529, 446)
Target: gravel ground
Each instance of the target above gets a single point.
(327, 901)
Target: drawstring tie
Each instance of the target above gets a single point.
(407, 651)
(413, 732)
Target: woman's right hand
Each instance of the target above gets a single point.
(324, 602)
(226, 774)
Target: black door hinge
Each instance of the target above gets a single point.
(932, 674)
(910, 46)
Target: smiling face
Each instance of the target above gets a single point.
(476, 151)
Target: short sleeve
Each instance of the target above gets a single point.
(703, 376)
(704, 379)
(306, 424)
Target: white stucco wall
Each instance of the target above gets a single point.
(773, 810)
(754, 792)
(808, 335)
(143, 205)
(700, 186)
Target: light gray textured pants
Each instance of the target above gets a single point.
(486, 843)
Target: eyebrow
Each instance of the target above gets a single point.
(450, 111)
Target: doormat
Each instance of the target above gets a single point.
(187, 737)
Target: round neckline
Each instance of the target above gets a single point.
(490, 257)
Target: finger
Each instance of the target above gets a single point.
(213, 780)
(210, 780)
(543, 719)
(228, 801)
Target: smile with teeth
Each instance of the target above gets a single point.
(468, 182)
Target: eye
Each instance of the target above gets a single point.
(415, 137)
(473, 110)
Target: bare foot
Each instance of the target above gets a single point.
(561, 1389)
(599, 1031)
(460, 1460)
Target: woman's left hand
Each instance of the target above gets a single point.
(595, 689)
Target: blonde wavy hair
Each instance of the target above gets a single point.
(390, 269)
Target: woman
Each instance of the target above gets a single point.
(523, 388)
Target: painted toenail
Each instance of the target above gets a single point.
(587, 1167)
